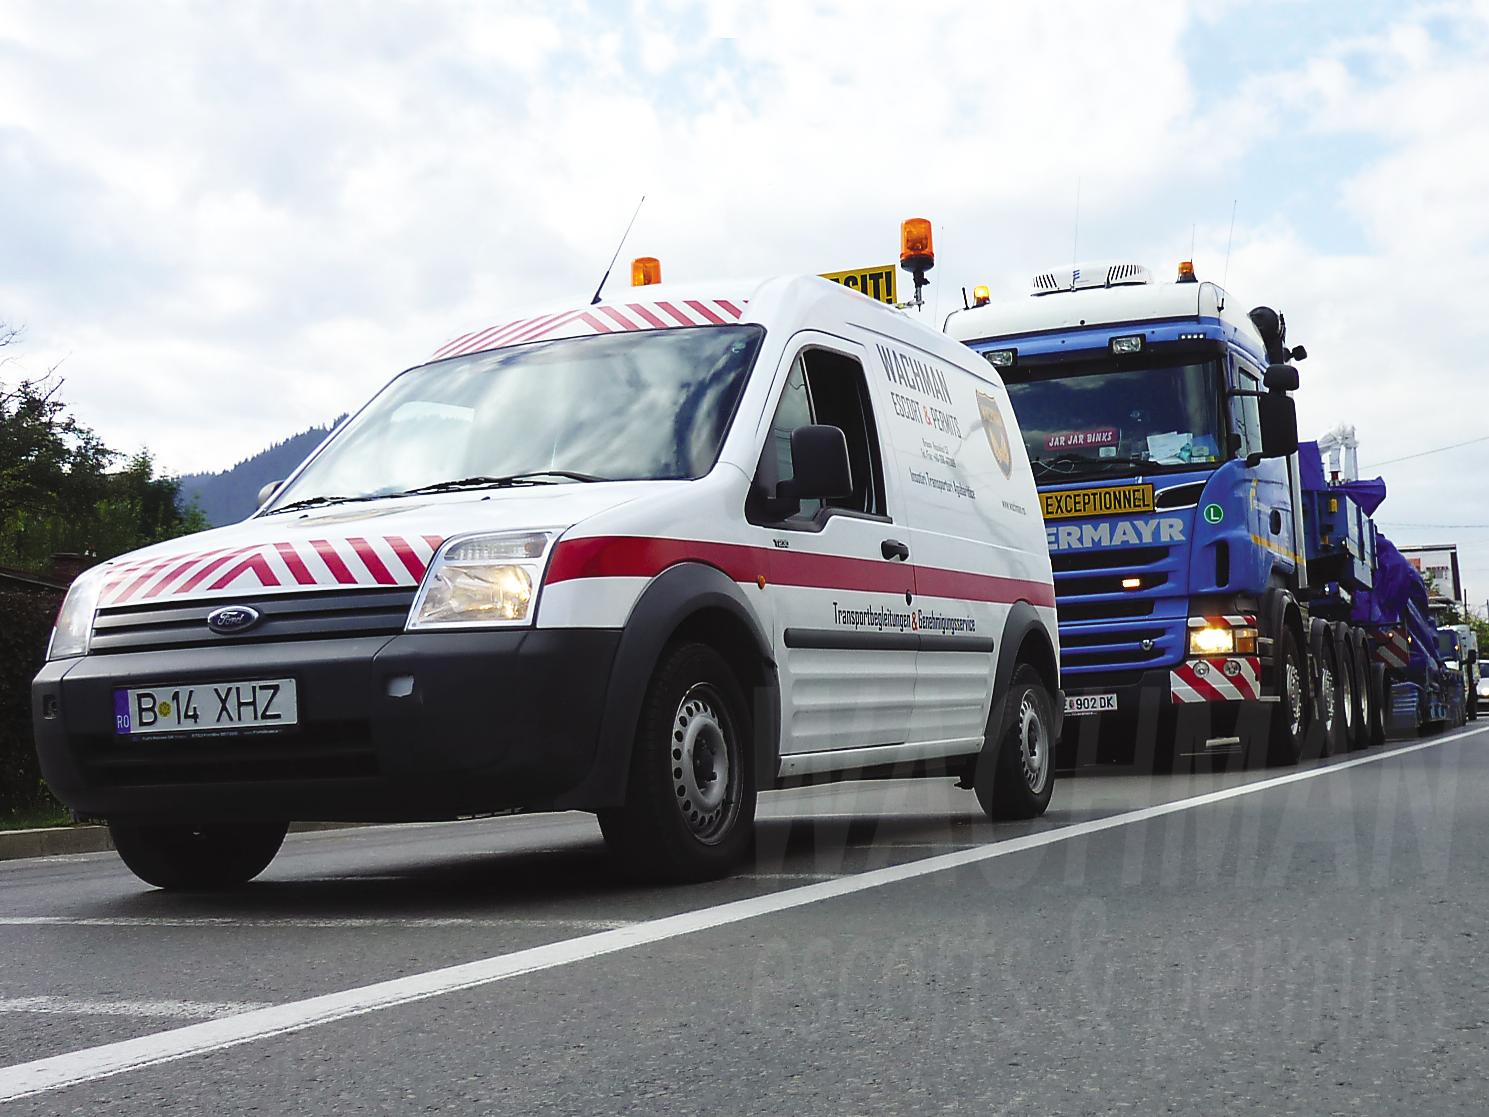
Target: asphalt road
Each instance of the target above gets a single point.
(1300, 942)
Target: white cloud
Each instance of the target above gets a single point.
(234, 222)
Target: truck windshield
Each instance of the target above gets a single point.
(651, 405)
(1083, 423)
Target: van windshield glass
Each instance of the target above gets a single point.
(651, 405)
(1083, 423)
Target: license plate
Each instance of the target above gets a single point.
(1079, 704)
(206, 707)
(1108, 500)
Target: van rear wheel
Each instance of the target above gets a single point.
(1015, 774)
(690, 799)
(191, 858)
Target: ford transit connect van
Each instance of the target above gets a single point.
(641, 558)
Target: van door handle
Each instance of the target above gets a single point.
(894, 549)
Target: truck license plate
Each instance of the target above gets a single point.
(1078, 704)
(206, 707)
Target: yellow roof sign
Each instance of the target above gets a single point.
(877, 282)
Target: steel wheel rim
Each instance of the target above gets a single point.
(1294, 684)
(705, 764)
(1034, 751)
(1347, 686)
(1326, 695)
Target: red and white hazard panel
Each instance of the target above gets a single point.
(1392, 648)
(601, 319)
(1222, 678)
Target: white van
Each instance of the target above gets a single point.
(641, 558)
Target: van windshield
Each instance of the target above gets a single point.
(651, 405)
(1084, 423)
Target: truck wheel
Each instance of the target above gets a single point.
(1380, 692)
(1364, 693)
(188, 858)
(1349, 695)
(1290, 713)
(1331, 694)
(1015, 774)
(690, 800)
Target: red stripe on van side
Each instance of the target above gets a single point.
(642, 557)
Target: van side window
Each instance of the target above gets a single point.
(825, 388)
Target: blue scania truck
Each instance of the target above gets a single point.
(1205, 585)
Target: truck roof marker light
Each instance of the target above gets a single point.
(980, 295)
(1186, 272)
(645, 270)
(1001, 358)
(1128, 343)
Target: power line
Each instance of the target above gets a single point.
(1424, 453)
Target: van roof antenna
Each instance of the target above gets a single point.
(1224, 275)
(618, 247)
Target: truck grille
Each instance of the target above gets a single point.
(1104, 627)
(306, 616)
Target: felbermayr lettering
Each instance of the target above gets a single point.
(913, 373)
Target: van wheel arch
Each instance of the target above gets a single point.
(690, 601)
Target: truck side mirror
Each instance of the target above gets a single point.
(1279, 422)
(819, 460)
(1281, 378)
(267, 492)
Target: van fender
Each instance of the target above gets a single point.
(668, 602)
(1023, 624)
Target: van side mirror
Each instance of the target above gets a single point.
(1281, 378)
(819, 461)
(1279, 422)
(267, 492)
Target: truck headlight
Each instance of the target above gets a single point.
(482, 580)
(1211, 640)
(75, 619)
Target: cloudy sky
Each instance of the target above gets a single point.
(230, 221)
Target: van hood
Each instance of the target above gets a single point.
(378, 544)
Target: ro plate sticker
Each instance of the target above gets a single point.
(121, 712)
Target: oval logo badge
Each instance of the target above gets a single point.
(232, 619)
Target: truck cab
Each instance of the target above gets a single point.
(1163, 444)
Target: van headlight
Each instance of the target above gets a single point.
(75, 619)
(482, 580)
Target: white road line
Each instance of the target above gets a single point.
(90, 1064)
(180, 1010)
(787, 876)
(351, 922)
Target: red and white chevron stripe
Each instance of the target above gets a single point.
(1230, 678)
(1392, 647)
(1228, 620)
(602, 319)
(385, 560)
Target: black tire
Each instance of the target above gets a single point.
(1473, 706)
(1329, 732)
(1380, 691)
(690, 800)
(1292, 714)
(1015, 774)
(1347, 682)
(1364, 693)
(190, 858)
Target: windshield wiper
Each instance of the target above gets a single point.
(1071, 461)
(321, 501)
(536, 477)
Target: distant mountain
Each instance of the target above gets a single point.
(230, 496)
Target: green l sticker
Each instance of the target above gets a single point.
(1214, 513)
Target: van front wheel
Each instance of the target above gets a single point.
(188, 858)
(690, 800)
(1015, 774)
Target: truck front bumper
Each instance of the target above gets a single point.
(403, 728)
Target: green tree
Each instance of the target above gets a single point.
(62, 490)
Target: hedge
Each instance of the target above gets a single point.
(25, 625)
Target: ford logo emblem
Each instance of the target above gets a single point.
(232, 619)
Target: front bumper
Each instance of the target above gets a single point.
(493, 720)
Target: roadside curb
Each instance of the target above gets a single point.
(59, 841)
